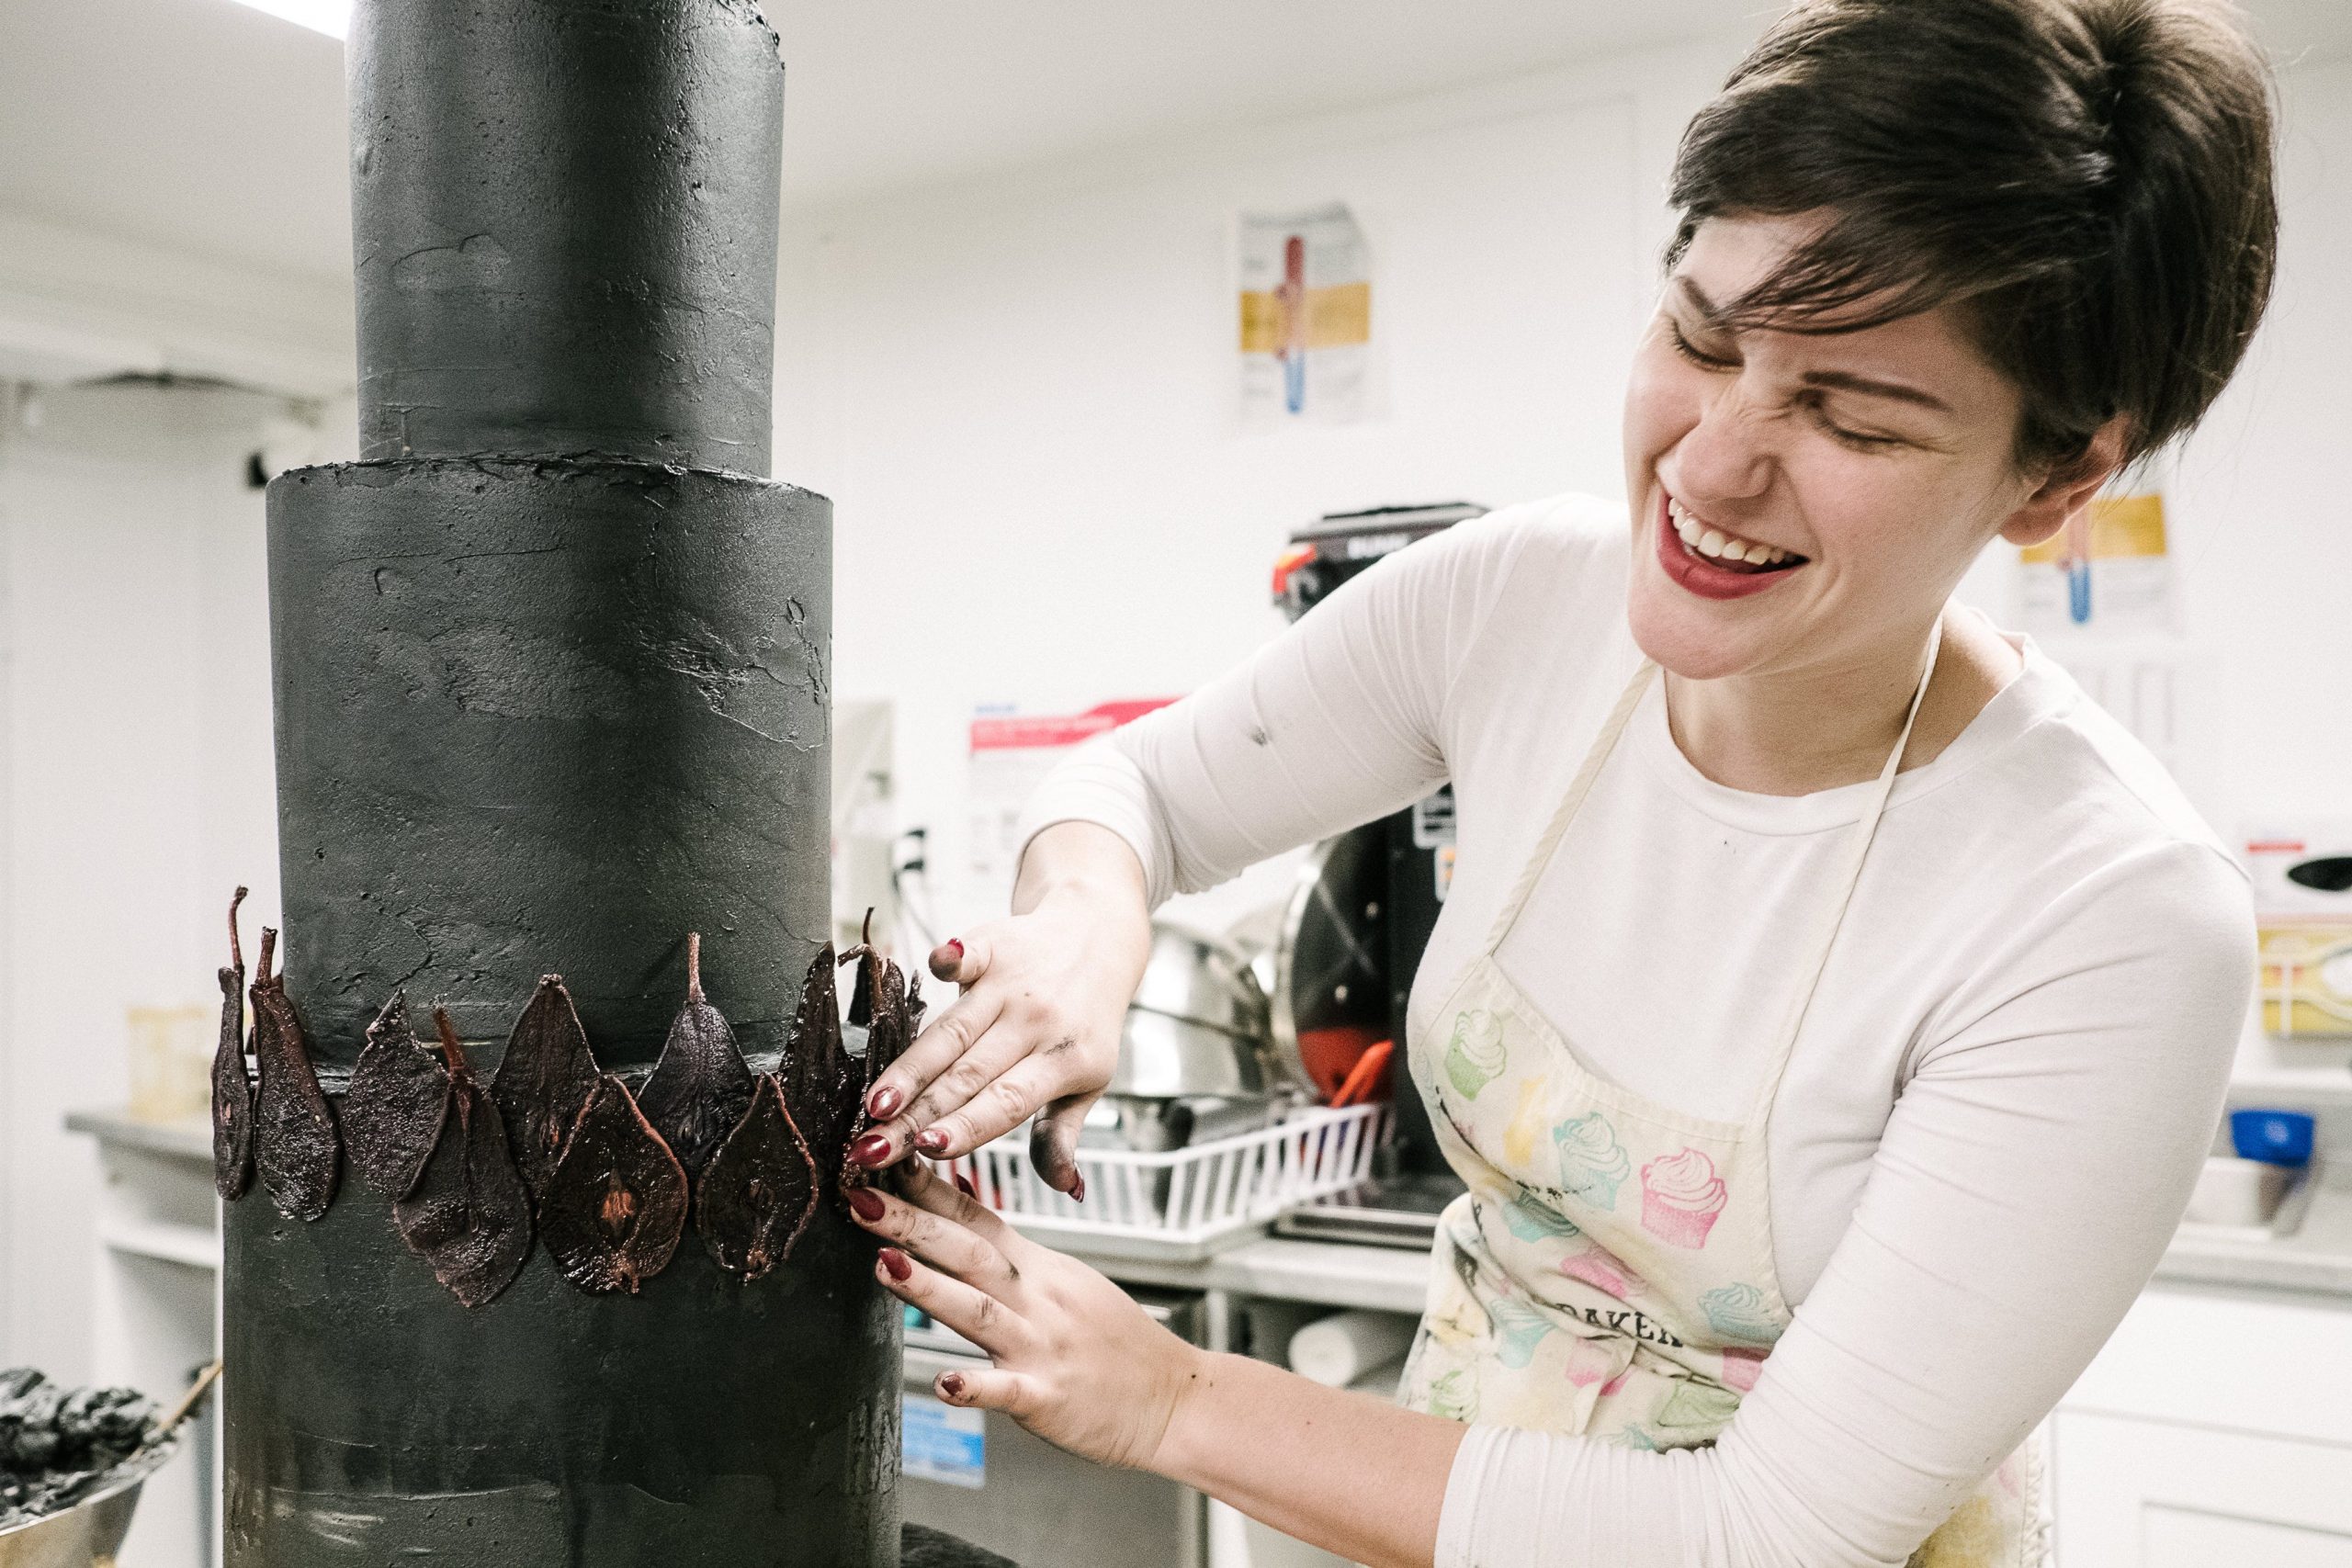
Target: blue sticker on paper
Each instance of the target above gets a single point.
(939, 1442)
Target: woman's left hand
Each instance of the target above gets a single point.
(1076, 1360)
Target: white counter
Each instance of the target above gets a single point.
(2315, 1259)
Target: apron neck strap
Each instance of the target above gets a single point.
(1850, 875)
(1578, 787)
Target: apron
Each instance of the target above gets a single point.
(1610, 1271)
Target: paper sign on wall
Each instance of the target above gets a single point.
(2110, 570)
(1306, 317)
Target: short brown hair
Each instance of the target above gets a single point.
(2089, 179)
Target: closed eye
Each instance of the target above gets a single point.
(1860, 441)
(1691, 352)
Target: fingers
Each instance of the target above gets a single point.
(988, 1388)
(990, 1057)
(971, 1312)
(961, 959)
(926, 1189)
(937, 1048)
(1052, 1144)
(948, 1246)
(1004, 1104)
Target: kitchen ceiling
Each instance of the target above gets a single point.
(204, 126)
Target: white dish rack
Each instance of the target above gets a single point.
(1188, 1202)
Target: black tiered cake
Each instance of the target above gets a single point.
(550, 676)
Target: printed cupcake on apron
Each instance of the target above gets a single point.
(1682, 1195)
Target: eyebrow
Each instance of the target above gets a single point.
(1835, 380)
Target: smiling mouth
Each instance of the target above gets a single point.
(1726, 551)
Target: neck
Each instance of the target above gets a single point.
(1799, 731)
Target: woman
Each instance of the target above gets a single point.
(1832, 1007)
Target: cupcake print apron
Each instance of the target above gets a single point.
(1610, 1271)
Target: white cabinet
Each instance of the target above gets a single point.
(158, 1256)
(2215, 1430)
(2136, 1493)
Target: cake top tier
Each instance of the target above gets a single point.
(564, 222)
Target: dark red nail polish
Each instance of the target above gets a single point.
(963, 1185)
(883, 1103)
(1078, 1188)
(870, 1150)
(932, 1141)
(952, 1384)
(947, 958)
(865, 1203)
(895, 1264)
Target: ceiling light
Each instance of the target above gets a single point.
(331, 17)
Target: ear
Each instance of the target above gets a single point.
(2068, 488)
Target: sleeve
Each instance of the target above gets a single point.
(2030, 1178)
(1342, 719)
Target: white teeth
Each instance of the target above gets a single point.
(1719, 544)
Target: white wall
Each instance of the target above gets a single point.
(1020, 395)
(138, 783)
(2266, 510)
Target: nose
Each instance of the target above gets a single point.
(1728, 455)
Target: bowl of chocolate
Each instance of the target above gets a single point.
(71, 1463)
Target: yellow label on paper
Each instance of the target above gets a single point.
(2121, 525)
(1339, 316)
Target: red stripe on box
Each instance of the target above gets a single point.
(1025, 732)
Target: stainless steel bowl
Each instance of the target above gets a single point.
(1158, 1126)
(1198, 1023)
(88, 1534)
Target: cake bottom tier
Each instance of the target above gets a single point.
(371, 1419)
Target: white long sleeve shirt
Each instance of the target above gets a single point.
(2011, 1074)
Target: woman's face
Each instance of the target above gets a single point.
(1808, 502)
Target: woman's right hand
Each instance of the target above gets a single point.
(1044, 1001)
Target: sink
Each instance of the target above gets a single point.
(2244, 1200)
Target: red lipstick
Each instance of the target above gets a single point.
(1701, 576)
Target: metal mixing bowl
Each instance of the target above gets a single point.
(88, 1534)
(1198, 1025)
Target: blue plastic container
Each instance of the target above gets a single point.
(2276, 1137)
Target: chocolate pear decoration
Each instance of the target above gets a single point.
(893, 1028)
(614, 1205)
(815, 1063)
(295, 1143)
(399, 1097)
(758, 1192)
(869, 975)
(468, 1215)
(865, 991)
(701, 1085)
(878, 1004)
(886, 1038)
(544, 1082)
(232, 1092)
